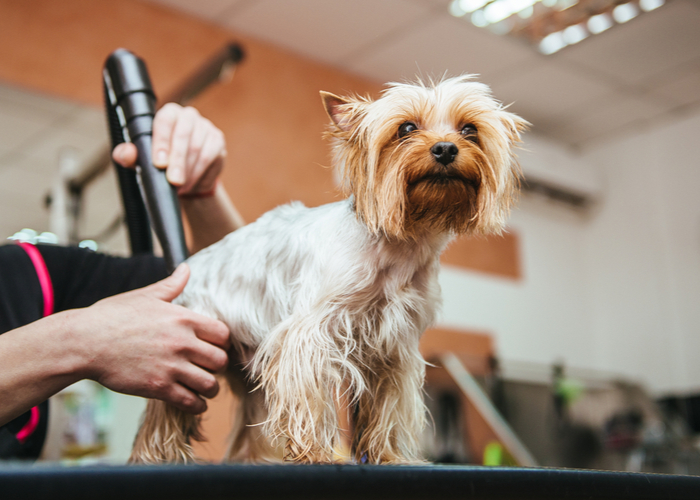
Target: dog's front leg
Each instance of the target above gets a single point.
(391, 413)
(164, 436)
(297, 367)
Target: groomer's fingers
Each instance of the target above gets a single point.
(209, 357)
(179, 145)
(183, 398)
(199, 381)
(212, 331)
(125, 154)
(163, 127)
(199, 135)
(172, 286)
(209, 164)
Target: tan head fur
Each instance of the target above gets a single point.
(427, 157)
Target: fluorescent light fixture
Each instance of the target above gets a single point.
(527, 12)
(552, 43)
(472, 5)
(479, 20)
(545, 24)
(565, 4)
(456, 8)
(649, 5)
(502, 9)
(497, 11)
(625, 12)
(574, 34)
(598, 24)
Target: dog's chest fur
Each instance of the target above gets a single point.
(319, 263)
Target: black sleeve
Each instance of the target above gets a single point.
(21, 301)
(81, 277)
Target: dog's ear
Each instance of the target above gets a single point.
(338, 109)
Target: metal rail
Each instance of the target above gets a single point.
(483, 405)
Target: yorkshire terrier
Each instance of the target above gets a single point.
(332, 300)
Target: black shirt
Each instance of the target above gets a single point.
(80, 278)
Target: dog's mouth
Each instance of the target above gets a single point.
(445, 179)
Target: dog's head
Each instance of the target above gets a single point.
(427, 157)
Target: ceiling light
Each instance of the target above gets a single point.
(472, 5)
(552, 43)
(456, 8)
(502, 9)
(649, 5)
(574, 34)
(598, 24)
(479, 20)
(550, 25)
(565, 4)
(526, 12)
(497, 11)
(625, 12)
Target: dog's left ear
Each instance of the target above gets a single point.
(338, 109)
(515, 126)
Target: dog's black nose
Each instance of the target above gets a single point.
(444, 152)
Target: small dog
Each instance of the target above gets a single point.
(330, 301)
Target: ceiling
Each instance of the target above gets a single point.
(630, 77)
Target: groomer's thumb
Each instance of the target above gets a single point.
(173, 285)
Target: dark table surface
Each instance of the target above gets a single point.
(336, 482)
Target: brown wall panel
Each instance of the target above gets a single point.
(499, 255)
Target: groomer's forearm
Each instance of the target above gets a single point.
(36, 362)
(211, 218)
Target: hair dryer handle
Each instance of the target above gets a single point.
(131, 108)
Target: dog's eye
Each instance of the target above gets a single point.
(469, 132)
(407, 128)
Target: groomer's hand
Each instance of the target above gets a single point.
(185, 143)
(139, 343)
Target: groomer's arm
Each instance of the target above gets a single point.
(137, 343)
(193, 151)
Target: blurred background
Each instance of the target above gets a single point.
(572, 340)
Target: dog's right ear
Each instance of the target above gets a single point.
(339, 110)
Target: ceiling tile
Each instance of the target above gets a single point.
(443, 44)
(605, 117)
(546, 93)
(325, 30)
(646, 46)
(681, 90)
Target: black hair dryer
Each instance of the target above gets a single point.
(146, 193)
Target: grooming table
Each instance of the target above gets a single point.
(329, 482)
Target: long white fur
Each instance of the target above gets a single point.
(316, 295)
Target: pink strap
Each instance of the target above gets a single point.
(30, 426)
(47, 291)
(43, 273)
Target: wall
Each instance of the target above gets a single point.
(617, 291)
(544, 316)
(643, 252)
